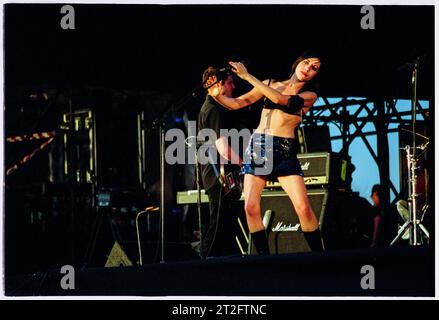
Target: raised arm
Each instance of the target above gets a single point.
(262, 87)
(240, 102)
(292, 103)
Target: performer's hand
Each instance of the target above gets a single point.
(239, 69)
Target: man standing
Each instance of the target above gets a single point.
(376, 215)
(217, 233)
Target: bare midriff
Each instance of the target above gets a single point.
(278, 123)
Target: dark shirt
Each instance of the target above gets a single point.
(366, 214)
(216, 117)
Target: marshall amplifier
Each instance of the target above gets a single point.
(327, 169)
(332, 209)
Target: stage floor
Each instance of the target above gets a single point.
(396, 271)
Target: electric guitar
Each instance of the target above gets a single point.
(231, 180)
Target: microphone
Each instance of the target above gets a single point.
(222, 74)
(414, 62)
(227, 70)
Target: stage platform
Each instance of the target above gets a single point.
(398, 271)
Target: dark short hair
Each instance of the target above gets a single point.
(376, 188)
(220, 74)
(311, 53)
(314, 84)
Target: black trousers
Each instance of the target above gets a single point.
(219, 227)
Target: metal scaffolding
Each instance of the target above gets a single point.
(381, 113)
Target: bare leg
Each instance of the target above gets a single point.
(296, 190)
(295, 187)
(253, 186)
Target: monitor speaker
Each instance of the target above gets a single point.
(126, 253)
(118, 257)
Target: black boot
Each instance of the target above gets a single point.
(260, 241)
(314, 240)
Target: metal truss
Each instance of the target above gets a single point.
(381, 113)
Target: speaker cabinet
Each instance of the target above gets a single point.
(283, 226)
(314, 139)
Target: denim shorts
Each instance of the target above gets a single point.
(271, 157)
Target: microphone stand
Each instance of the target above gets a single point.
(160, 123)
(413, 223)
(413, 232)
(197, 175)
(71, 176)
